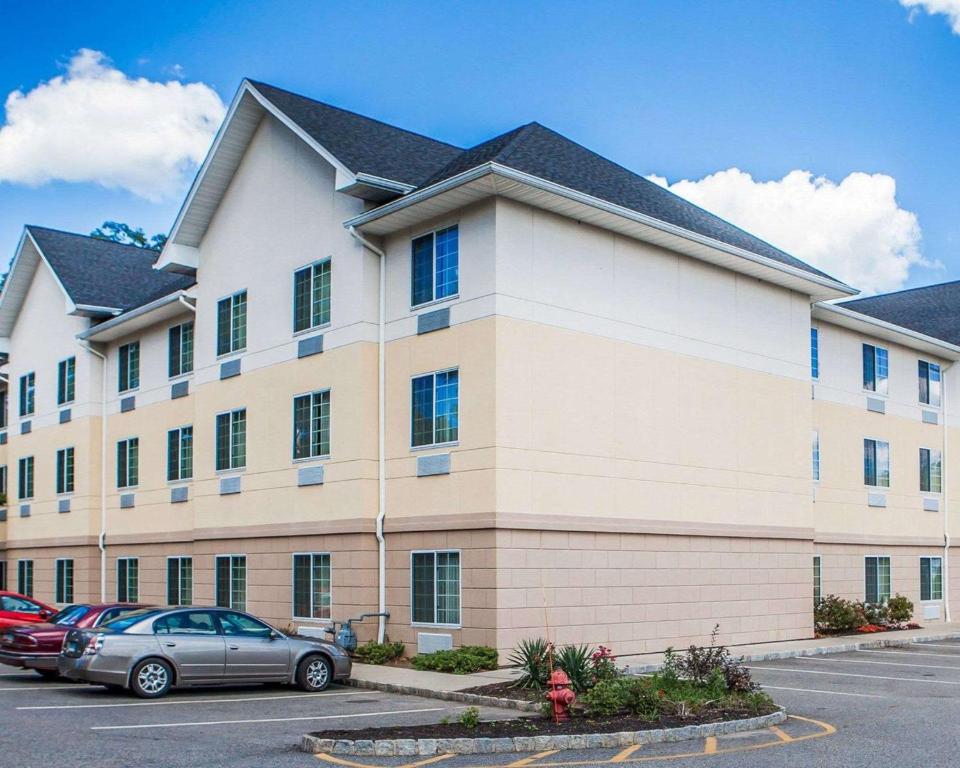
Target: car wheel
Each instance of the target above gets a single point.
(48, 674)
(314, 674)
(151, 679)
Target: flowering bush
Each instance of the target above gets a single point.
(604, 667)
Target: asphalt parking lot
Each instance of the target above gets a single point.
(866, 708)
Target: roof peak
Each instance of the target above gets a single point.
(137, 248)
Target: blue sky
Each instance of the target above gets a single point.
(683, 90)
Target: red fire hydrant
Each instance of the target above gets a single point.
(561, 695)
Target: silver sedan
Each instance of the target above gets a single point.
(152, 650)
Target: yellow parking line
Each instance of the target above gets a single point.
(621, 756)
(434, 759)
(527, 760)
(710, 745)
(780, 734)
(340, 761)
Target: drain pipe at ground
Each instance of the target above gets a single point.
(102, 538)
(381, 424)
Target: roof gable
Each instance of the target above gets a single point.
(933, 310)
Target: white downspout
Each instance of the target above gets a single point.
(945, 474)
(102, 538)
(381, 428)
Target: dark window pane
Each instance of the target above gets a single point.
(424, 597)
(301, 586)
(301, 299)
(421, 273)
(223, 326)
(422, 411)
(869, 374)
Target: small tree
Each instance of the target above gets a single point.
(118, 232)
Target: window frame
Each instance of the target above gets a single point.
(232, 298)
(435, 552)
(293, 586)
(132, 373)
(866, 592)
(5, 485)
(815, 353)
(30, 474)
(930, 475)
(312, 266)
(61, 593)
(216, 581)
(433, 418)
(120, 442)
(432, 233)
(193, 347)
(815, 456)
(66, 381)
(126, 598)
(180, 478)
(216, 441)
(61, 474)
(179, 559)
(931, 598)
(27, 394)
(4, 575)
(876, 442)
(818, 580)
(25, 576)
(881, 386)
(293, 448)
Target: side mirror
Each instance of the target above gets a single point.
(45, 613)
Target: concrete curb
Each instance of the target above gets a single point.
(411, 747)
(824, 650)
(472, 699)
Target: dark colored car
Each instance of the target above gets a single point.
(151, 651)
(37, 646)
(17, 609)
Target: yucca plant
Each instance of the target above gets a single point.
(576, 661)
(531, 656)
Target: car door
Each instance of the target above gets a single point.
(192, 640)
(15, 611)
(255, 651)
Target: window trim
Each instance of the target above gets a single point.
(815, 456)
(127, 559)
(815, 352)
(120, 367)
(293, 571)
(931, 599)
(70, 401)
(885, 392)
(885, 488)
(127, 440)
(230, 470)
(246, 581)
(878, 558)
(22, 412)
(459, 553)
(293, 426)
(56, 581)
(293, 297)
(433, 231)
(930, 452)
(56, 471)
(182, 374)
(180, 428)
(216, 324)
(179, 559)
(433, 446)
(33, 478)
(26, 563)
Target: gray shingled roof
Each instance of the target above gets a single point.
(544, 153)
(362, 144)
(101, 273)
(933, 310)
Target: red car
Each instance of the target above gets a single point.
(37, 646)
(17, 609)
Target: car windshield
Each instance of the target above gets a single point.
(70, 615)
(122, 623)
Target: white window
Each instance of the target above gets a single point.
(179, 580)
(231, 578)
(435, 408)
(877, 578)
(928, 378)
(875, 369)
(128, 580)
(814, 353)
(180, 454)
(931, 578)
(816, 456)
(128, 462)
(129, 367)
(311, 296)
(180, 349)
(232, 324)
(64, 581)
(311, 425)
(930, 470)
(231, 440)
(435, 587)
(435, 266)
(876, 463)
(311, 585)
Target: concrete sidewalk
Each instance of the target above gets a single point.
(442, 685)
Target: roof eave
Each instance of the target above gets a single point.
(144, 316)
(872, 326)
(817, 287)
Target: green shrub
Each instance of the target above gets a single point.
(900, 609)
(462, 661)
(606, 698)
(755, 703)
(874, 613)
(711, 667)
(642, 700)
(378, 653)
(834, 614)
(604, 666)
(575, 660)
(531, 657)
(470, 718)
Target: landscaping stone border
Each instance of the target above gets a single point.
(822, 650)
(411, 747)
(473, 699)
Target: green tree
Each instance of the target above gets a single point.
(118, 232)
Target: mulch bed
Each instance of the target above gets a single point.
(534, 726)
(877, 630)
(508, 690)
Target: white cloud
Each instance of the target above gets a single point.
(96, 124)
(949, 8)
(854, 230)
